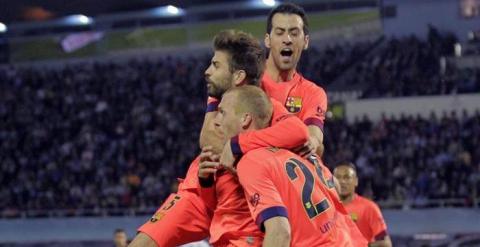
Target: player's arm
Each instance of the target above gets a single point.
(286, 131)
(277, 232)
(207, 168)
(314, 117)
(314, 145)
(265, 203)
(378, 227)
(209, 136)
(385, 242)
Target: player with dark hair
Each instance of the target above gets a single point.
(185, 216)
(286, 38)
(364, 212)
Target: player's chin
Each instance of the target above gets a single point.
(212, 92)
(287, 66)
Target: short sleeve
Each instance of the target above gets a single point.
(264, 200)
(376, 222)
(316, 108)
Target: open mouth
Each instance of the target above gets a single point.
(287, 52)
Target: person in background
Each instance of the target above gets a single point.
(364, 212)
(120, 238)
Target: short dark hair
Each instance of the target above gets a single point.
(118, 230)
(347, 164)
(288, 8)
(245, 52)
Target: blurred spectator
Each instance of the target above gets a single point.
(120, 238)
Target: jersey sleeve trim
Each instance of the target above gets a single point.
(314, 121)
(381, 235)
(235, 145)
(270, 213)
(212, 106)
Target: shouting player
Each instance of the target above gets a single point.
(185, 217)
(286, 38)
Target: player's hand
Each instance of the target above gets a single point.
(227, 159)
(307, 148)
(209, 163)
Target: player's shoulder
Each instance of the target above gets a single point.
(275, 102)
(257, 162)
(367, 202)
(311, 86)
(264, 152)
(263, 156)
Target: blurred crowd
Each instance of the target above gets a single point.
(324, 66)
(97, 135)
(117, 134)
(410, 158)
(409, 66)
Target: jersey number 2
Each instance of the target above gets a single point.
(307, 190)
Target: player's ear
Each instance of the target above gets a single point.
(247, 120)
(307, 41)
(267, 40)
(239, 77)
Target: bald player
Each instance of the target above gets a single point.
(287, 196)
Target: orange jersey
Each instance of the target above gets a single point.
(191, 179)
(367, 216)
(351, 233)
(300, 96)
(183, 218)
(280, 183)
(282, 122)
(231, 218)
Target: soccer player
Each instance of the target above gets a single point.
(185, 217)
(286, 193)
(231, 223)
(286, 37)
(364, 212)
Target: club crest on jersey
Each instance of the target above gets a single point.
(293, 104)
(354, 216)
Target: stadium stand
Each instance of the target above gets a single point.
(96, 137)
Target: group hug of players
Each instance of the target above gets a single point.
(259, 179)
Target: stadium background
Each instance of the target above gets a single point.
(101, 104)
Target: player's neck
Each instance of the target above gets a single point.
(276, 75)
(347, 199)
